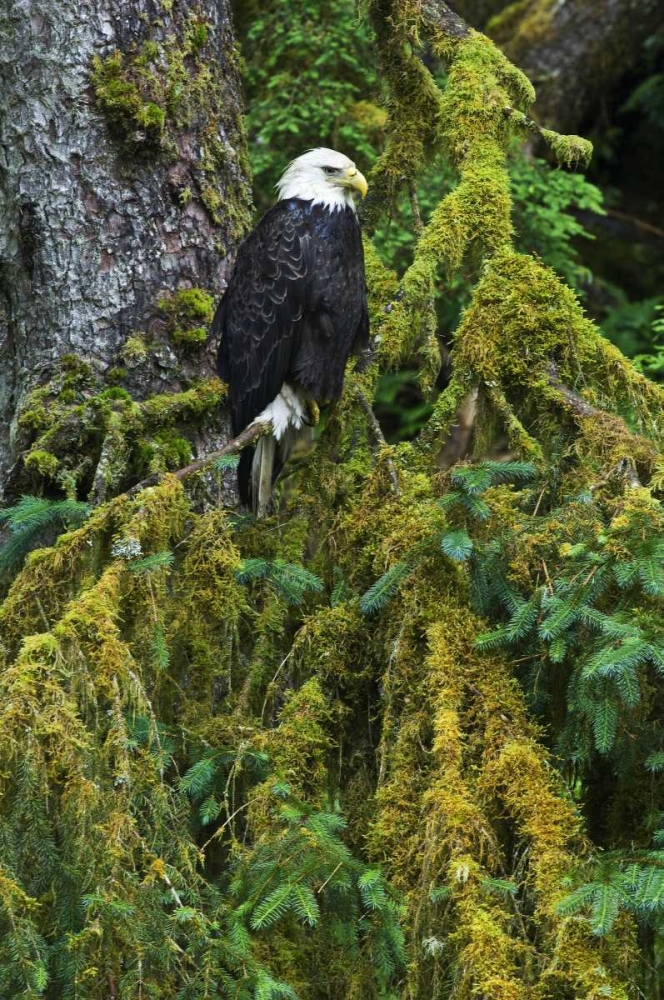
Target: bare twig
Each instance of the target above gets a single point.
(418, 225)
(380, 438)
(647, 227)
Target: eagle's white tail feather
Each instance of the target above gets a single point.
(262, 469)
(286, 413)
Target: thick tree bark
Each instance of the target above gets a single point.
(574, 51)
(90, 235)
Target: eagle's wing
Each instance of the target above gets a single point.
(260, 316)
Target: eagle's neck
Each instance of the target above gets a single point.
(328, 195)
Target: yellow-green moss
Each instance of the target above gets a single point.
(188, 314)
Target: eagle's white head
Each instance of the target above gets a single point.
(323, 177)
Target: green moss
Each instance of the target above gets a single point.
(522, 23)
(134, 350)
(42, 462)
(193, 337)
(188, 313)
(94, 435)
(165, 86)
(164, 451)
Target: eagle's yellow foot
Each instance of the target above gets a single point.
(313, 412)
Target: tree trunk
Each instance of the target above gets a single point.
(117, 185)
(574, 51)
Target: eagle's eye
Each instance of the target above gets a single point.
(329, 170)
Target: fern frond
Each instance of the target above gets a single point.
(158, 560)
(30, 520)
(252, 569)
(510, 472)
(294, 582)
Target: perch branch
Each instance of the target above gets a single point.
(245, 438)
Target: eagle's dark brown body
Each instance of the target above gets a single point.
(294, 310)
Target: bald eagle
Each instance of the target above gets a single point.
(294, 310)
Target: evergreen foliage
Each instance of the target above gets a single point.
(32, 521)
(292, 582)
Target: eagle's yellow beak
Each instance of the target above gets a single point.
(354, 179)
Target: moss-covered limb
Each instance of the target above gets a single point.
(50, 576)
(522, 326)
(569, 150)
(461, 849)
(578, 50)
(414, 105)
(520, 440)
(84, 436)
(474, 132)
(380, 438)
(480, 726)
(445, 21)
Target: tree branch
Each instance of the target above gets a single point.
(245, 438)
(440, 15)
(380, 438)
(576, 402)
